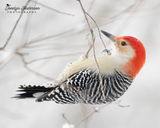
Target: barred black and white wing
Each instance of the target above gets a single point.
(85, 87)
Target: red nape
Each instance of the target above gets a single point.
(140, 55)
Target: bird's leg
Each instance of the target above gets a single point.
(90, 44)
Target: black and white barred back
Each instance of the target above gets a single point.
(82, 87)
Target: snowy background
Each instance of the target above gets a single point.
(48, 33)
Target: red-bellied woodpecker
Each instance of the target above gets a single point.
(80, 82)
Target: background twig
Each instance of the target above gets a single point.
(52, 8)
(95, 110)
(15, 26)
(32, 71)
(72, 54)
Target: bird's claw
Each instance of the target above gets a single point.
(107, 51)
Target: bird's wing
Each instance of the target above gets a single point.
(82, 79)
(77, 84)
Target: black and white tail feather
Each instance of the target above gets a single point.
(30, 91)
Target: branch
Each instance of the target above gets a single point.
(51, 36)
(72, 54)
(108, 52)
(93, 39)
(91, 5)
(95, 110)
(128, 19)
(52, 8)
(14, 27)
(118, 103)
(63, 115)
(30, 70)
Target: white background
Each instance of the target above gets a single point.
(119, 17)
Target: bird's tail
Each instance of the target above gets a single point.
(28, 91)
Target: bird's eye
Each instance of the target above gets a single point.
(123, 43)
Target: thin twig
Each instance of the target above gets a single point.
(91, 114)
(63, 115)
(27, 28)
(51, 36)
(128, 19)
(117, 15)
(90, 8)
(97, 110)
(72, 54)
(99, 34)
(38, 74)
(93, 39)
(30, 70)
(52, 8)
(91, 5)
(120, 105)
(14, 26)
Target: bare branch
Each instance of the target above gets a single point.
(93, 39)
(63, 115)
(14, 26)
(91, 5)
(117, 16)
(72, 54)
(52, 8)
(98, 110)
(30, 70)
(51, 36)
(90, 8)
(38, 74)
(95, 110)
(128, 19)
(99, 34)
(120, 105)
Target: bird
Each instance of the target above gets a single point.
(80, 81)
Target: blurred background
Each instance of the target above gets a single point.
(59, 37)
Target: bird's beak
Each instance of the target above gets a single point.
(110, 36)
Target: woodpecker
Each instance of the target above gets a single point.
(80, 81)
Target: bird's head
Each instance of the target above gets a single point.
(130, 52)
